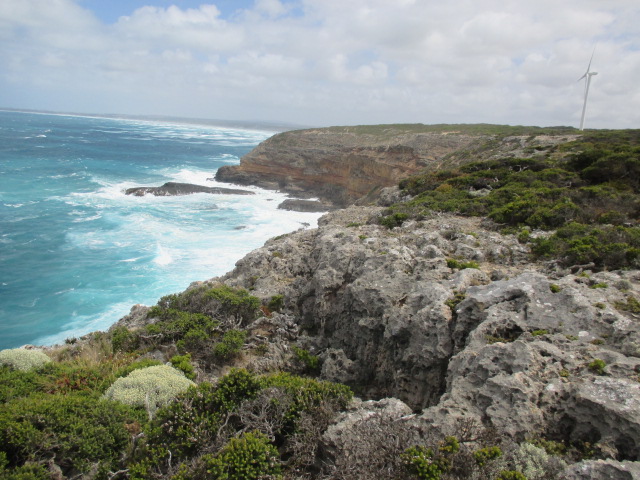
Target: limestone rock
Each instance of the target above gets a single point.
(602, 470)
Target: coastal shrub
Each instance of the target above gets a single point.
(76, 433)
(276, 303)
(487, 454)
(511, 475)
(136, 365)
(189, 330)
(201, 420)
(230, 344)
(393, 220)
(78, 377)
(23, 359)
(221, 302)
(198, 412)
(310, 362)
(307, 393)
(18, 383)
(597, 187)
(28, 471)
(124, 340)
(461, 265)
(534, 463)
(183, 363)
(150, 387)
(425, 464)
(248, 457)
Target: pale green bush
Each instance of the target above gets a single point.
(535, 463)
(23, 359)
(150, 387)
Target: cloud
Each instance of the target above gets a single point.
(329, 61)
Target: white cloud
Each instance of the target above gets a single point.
(329, 61)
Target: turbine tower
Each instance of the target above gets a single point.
(587, 81)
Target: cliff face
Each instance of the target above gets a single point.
(342, 164)
(509, 345)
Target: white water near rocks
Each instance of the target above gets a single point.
(76, 252)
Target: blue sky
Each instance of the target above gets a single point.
(326, 62)
(109, 11)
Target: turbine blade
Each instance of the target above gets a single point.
(583, 76)
(591, 59)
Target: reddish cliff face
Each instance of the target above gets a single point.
(342, 164)
(339, 166)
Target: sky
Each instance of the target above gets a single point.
(326, 62)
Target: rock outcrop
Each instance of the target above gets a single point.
(343, 164)
(510, 345)
(174, 188)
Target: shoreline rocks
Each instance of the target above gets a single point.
(176, 189)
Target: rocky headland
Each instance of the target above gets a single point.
(343, 164)
(476, 346)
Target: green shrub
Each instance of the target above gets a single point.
(18, 383)
(78, 377)
(424, 464)
(150, 387)
(248, 457)
(310, 362)
(597, 366)
(393, 220)
(28, 471)
(307, 394)
(77, 433)
(555, 288)
(137, 365)
(220, 301)
(191, 329)
(23, 359)
(230, 344)
(485, 455)
(183, 363)
(510, 475)
(190, 423)
(276, 303)
(460, 265)
(123, 340)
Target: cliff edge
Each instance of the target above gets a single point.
(343, 164)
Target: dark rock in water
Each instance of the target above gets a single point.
(304, 206)
(174, 189)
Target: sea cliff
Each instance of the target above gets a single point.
(484, 313)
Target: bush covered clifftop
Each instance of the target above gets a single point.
(587, 189)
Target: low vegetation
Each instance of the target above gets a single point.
(587, 194)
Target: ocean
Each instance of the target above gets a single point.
(76, 252)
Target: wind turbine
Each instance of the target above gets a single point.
(587, 81)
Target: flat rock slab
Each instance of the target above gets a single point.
(304, 206)
(174, 189)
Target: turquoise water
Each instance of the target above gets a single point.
(76, 253)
